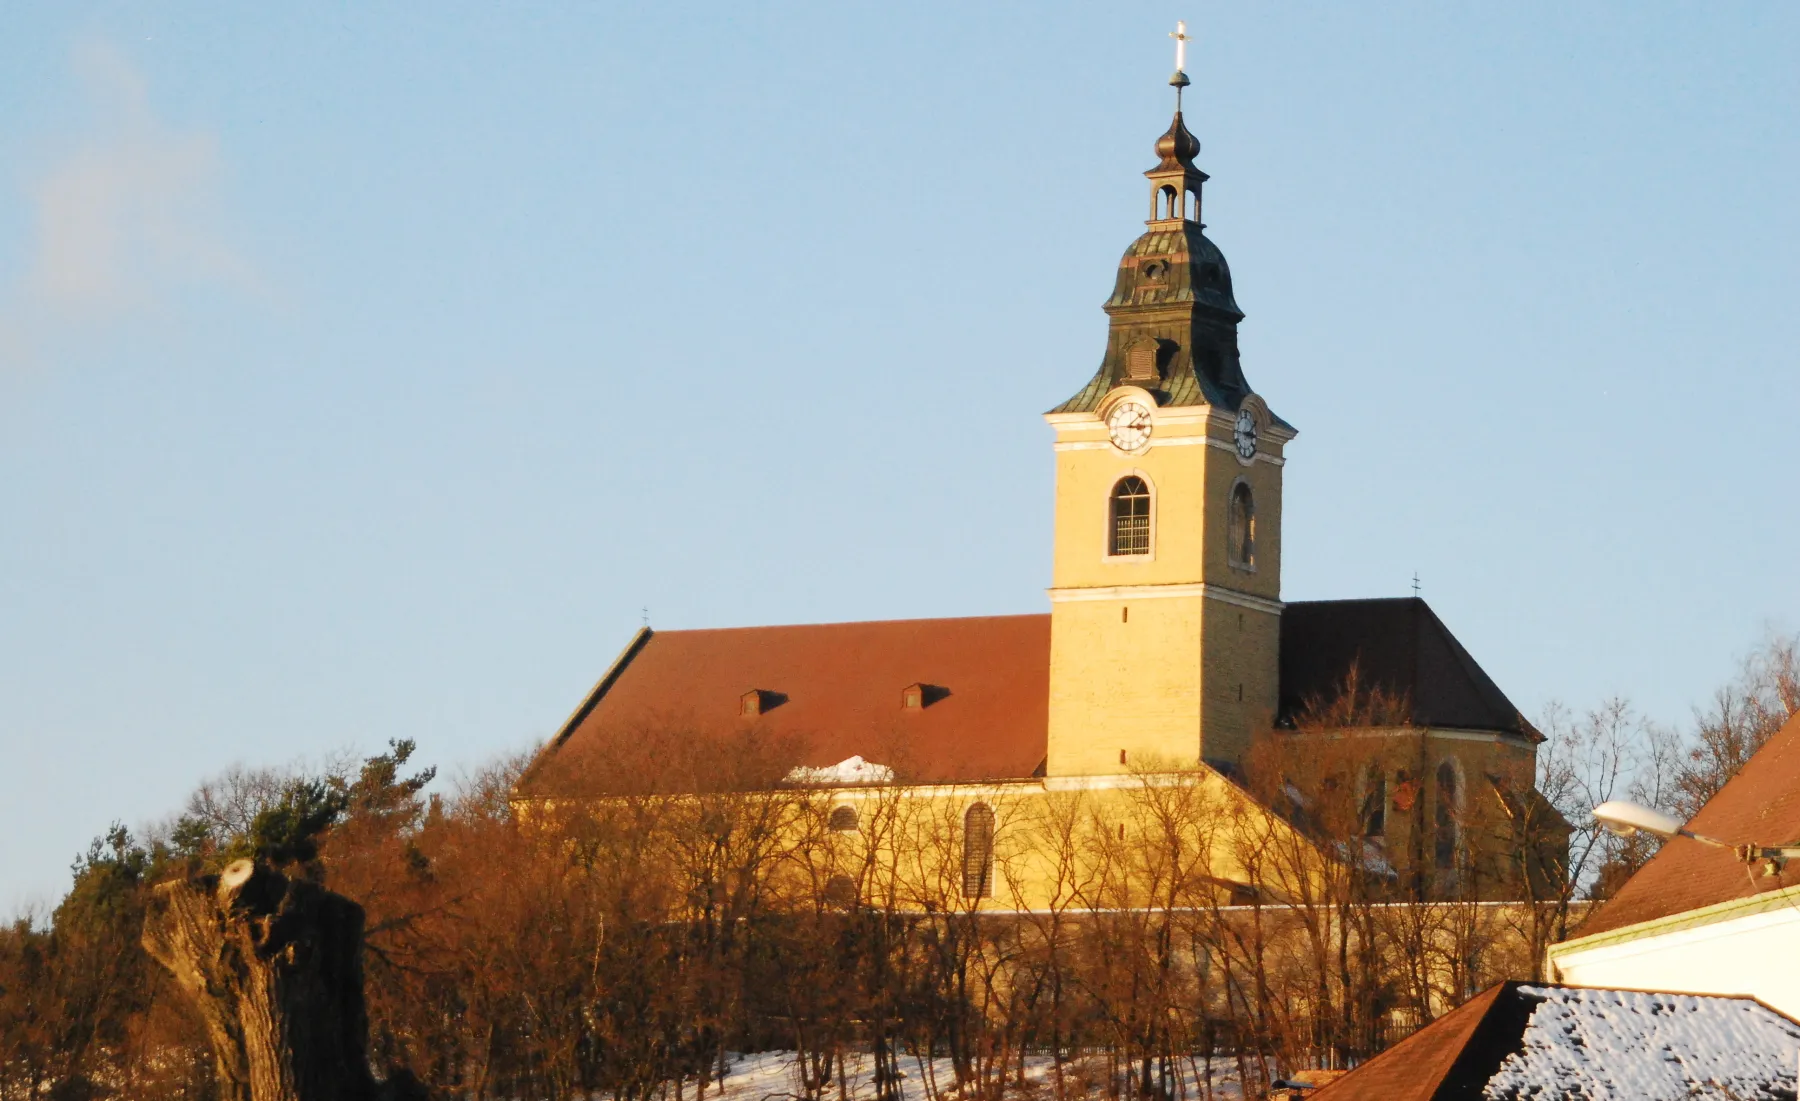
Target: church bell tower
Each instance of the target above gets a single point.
(1166, 585)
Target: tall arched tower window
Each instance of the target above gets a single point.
(1130, 517)
(1374, 802)
(978, 851)
(1449, 798)
(1240, 531)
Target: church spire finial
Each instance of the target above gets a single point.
(1180, 79)
(1177, 148)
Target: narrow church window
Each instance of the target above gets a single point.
(1374, 802)
(978, 851)
(1130, 517)
(1446, 817)
(1241, 530)
(842, 818)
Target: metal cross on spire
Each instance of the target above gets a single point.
(1180, 79)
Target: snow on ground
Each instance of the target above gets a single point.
(1623, 1044)
(775, 1076)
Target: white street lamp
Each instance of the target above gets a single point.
(1626, 818)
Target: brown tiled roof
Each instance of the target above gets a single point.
(1399, 646)
(1760, 805)
(1417, 1066)
(836, 688)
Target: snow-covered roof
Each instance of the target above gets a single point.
(850, 770)
(1648, 1046)
(1535, 1042)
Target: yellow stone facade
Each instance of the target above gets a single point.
(1173, 654)
(1127, 842)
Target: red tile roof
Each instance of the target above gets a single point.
(1760, 805)
(835, 689)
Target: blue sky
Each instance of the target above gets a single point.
(364, 371)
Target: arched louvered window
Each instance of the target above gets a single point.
(1130, 517)
(1241, 528)
(978, 851)
(1374, 802)
(1448, 806)
(842, 818)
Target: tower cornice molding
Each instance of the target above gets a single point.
(1167, 592)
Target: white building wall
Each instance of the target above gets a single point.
(1755, 952)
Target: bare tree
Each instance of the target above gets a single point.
(1741, 717)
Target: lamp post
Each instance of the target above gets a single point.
(1626, 818)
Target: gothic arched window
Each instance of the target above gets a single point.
(1130, 517)
(1374, 802)
(1240, 531)
(978, 851)
(1448, 800)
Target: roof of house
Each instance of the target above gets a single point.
(836, 688)
(1399, 646)
(1539, 1040)
(1760, 805)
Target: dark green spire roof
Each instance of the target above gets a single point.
(1173, 317)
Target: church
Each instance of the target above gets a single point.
(1167, 648)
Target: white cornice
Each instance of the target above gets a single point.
(1116, 780)
(1154, 592)
(1178, 414)
(1167, 441)
(1000, 789)
(1485, 736)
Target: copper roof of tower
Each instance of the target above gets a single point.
(1173, 287)
(1177, 149)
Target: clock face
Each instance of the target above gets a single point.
(1244, 435)
(1129, 426)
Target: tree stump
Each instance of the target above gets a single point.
(274, 966)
